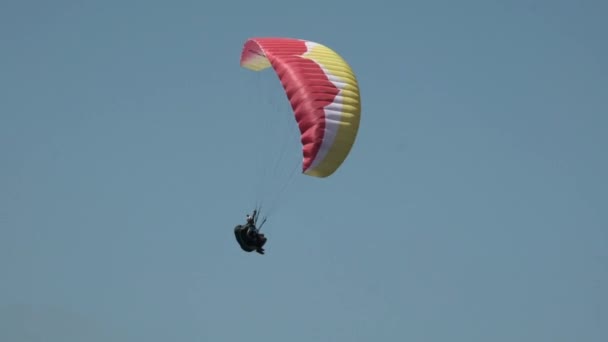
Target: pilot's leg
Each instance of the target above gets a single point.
(262, 240)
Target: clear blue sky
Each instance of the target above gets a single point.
(472, 208)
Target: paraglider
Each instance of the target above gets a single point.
(323, 92)
(248, 235)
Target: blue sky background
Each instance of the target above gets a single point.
(473, 206)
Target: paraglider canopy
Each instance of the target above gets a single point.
(323, 92)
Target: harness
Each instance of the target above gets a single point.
(243, 238)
